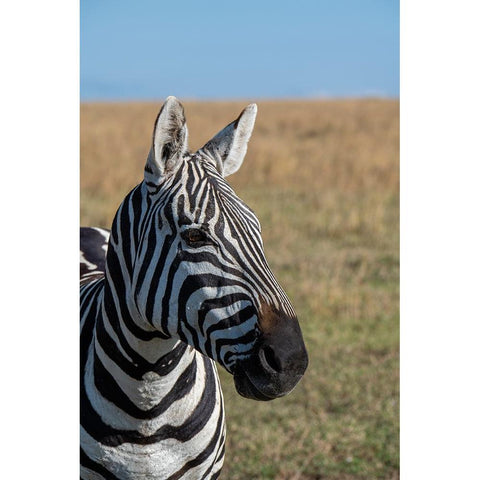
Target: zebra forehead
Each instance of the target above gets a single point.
(206, 192)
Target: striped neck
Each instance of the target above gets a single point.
(128, 241)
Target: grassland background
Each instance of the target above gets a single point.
(323, 178)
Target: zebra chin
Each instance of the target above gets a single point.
(264, 386)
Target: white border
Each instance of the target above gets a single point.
(439, 238)
(39, 239)
(440, 242)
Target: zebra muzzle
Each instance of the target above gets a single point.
(276, 365)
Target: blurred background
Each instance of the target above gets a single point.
(321, 172)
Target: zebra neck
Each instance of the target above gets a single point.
(135, 367)
(134, 384)
(128, 276)
(142, 345)
(133, 394)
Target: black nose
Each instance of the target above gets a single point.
(279, 361)
(282, 351)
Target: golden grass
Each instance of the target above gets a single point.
(327, 147)
(323, 178)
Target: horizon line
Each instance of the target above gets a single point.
(242, 98)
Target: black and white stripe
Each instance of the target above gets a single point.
(184, 282)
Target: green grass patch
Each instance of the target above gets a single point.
(342, 421)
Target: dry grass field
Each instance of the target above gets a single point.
(323, 178)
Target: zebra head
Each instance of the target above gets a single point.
(200, 272)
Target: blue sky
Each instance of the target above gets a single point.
(149, 49)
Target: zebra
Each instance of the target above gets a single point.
(179, 283)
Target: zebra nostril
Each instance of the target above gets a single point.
(271, 359)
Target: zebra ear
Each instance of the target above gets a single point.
(229, 146)
(169, 143)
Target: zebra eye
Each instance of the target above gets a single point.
(195, 237)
